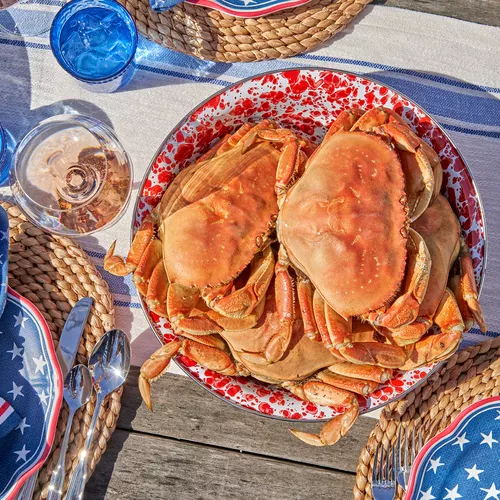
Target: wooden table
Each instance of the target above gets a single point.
(195, 446)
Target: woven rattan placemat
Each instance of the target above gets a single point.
(468, 376)
(54, 273)
(210, 34)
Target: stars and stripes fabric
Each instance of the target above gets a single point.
(462, 461)
(9, 419)
(30, 391)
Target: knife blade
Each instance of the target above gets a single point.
(71, 334)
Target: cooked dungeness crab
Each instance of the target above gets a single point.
(351, 245)
(344, 228)
(215, 221)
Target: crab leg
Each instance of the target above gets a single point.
(374, 353)
(344, 121)
(235, 324)
(285, 303)
(405, 309)
(469, 287)
(319, 316)
(321, 393)
(439, 346)
(356, 385)
(365, 372)
(142, 274)
(339, 328)
(305, 294)
(205, 355)
(290, 160)
(156, 297)
(455, 285)
(181, 300)
(409, 334)
(116, 265)
(242, 302)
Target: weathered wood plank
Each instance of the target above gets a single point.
(139, 466)
(477, 11)
(184, 410)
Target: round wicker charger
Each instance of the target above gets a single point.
(210, 34)
(468, 376)
(54, 273)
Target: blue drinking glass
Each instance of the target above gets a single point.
(95, 42)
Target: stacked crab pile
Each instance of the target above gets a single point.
(319, 269)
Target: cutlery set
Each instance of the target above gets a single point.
(107, 369)
(392, 464)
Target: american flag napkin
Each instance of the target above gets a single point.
(9, 419)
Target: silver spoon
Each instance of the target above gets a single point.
(109, 364)
(77, 392)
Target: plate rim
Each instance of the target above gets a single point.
(272, 72)
(251, 13)
(444, 433)
(58, 382)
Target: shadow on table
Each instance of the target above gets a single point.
(157, 66)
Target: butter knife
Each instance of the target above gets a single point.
(66, 353)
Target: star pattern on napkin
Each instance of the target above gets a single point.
(473, 472)
(27, 381)
(488, 439)
(465, 463)
(435, 464)
(491, 492)
(461, 440)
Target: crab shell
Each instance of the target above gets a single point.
(219, 216)
(303, 357)
(351, 204)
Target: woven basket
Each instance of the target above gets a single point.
(468, 376)
(54, 273)
(210, 34)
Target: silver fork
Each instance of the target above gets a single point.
(407, 456)
(384, 473)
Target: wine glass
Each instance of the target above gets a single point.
(71, 176)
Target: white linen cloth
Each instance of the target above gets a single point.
(449, 67)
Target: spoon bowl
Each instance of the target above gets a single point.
(78, 387)
(109, 362)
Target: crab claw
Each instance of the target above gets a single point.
(154, 368)
(332, 431)
(116, 265)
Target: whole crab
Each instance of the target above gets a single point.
(215, 223)
(344, 229)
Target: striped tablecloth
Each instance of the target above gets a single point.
(449, 67)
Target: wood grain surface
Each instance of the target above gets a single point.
(196, 446)
(476, 11)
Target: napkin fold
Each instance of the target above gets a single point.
(9, 419)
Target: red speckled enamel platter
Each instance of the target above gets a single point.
(306, 100)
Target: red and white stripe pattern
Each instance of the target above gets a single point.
(9, 419)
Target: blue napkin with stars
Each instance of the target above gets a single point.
(463, 461)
